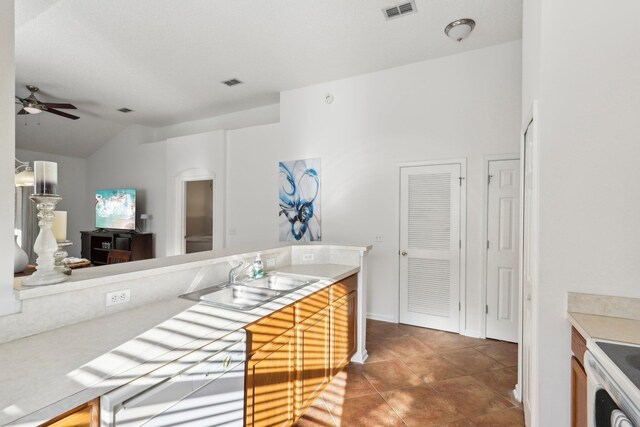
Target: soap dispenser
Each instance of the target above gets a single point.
(258, 270)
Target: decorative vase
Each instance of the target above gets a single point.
(20, 257)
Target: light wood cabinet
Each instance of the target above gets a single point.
(294, 352)
(270, 383)
(87, 415)
(313, 357)
(578, 380)
(343, 331)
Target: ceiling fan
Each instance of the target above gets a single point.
(32, 105)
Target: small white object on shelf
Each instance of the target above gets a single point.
(59, 226)
(20, 257)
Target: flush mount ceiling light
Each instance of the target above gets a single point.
(458, 30)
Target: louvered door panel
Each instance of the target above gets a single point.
(428, 286)
(430, 236)
(430, 211)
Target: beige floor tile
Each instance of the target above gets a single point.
(365, 411)
(471, 360)
(405, 346)
(502, 381)
(470, 396)
(432, 368)
(317, 415)
(391, 375)
(513, 417)
(505, 353)
(421, 406)
(349, 383)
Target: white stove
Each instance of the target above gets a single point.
(613, 384)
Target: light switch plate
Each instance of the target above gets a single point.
(379, 237)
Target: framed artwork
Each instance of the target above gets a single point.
(299, 201)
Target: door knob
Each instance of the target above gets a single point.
(404, 253)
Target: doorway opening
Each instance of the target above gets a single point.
(198, 218)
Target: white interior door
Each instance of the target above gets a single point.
(430, 246)
(503, 214)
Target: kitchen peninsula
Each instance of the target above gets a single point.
(107, 347)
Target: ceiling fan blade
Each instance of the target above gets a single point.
(60, 113)
(23, 111)
(58, 105)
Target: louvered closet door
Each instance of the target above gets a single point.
(429, 246)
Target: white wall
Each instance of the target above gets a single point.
(237, 120)
(72, 187)
(589, 101)
(8, 303)
(128, 161)
(466, 105)
(194, 157)
(252, 182)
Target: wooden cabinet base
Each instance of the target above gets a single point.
(87, 415)
(311, 341)
(578, 395)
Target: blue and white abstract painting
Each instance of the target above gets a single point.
(300, 201)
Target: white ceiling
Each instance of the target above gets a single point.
(165, 59)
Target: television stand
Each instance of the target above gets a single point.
(139, 244)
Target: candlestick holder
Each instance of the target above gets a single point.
(59, 255)
(46, 244)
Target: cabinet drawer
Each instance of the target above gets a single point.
(268, 328)
(343, 287)
(578, 345)
(312, 304)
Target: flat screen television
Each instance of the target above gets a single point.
(116, 209)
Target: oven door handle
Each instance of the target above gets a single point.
(145, 394)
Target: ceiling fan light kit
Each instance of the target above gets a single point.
(32, 105)
(460, 29)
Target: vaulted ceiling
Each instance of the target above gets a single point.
(166, 59)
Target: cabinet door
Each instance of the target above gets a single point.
(270, 383)
(578, 394)
(343, 331)
(87, 415)
(313, 358)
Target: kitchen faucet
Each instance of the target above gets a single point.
(237, 271)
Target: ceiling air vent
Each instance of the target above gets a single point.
(399, 10)
(232, 82)
(125, 110)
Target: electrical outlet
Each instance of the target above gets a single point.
(232, 232)
(379, 237)
(118, 297)
(271, 262)
(307, 257)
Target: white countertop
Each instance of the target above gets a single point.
(47, 374)
(605, 317)
(595, 326)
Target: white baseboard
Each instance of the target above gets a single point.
(382, 317)
(471, 333)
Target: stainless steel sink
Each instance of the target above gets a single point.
(240, 297)
(250, 294)
(278, 282)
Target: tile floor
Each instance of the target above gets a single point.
(422, 377)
